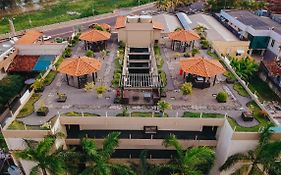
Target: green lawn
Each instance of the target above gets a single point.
(256, 111)
(204, 115)
(29, 106)
(77, 114)
(263, 90)
(18, 125)
(49, 78)
(58, 13)
(240, 89)
(229, 75)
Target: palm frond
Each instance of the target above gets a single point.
(45, 146)
(110, 144)
(241, 170)
(35, 170)
(120, 169)
(171, 140)
(89, 147)
(265, 135)
(232, 160)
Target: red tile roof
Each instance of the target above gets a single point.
(202, 66)
(29, 37)
(23, 63)
(79, 66)
(120, 22)
(95, 35)
(183, 35)
(158, 25)
(273, 67)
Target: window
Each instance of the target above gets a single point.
(272, 42)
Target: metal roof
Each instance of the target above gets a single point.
(184, 20)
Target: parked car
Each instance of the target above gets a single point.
(46, 38)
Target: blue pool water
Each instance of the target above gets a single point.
(43, 62)
(276, 129)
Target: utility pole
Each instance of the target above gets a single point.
(224, 4)
(12, 27)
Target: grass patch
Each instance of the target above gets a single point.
(147, 114)
(58, 12)
(262, 89)
(212, 54)
(78, 114)
(29, 106)
(59, 61)
(240, 89)
(18, 125)
(256, 111)
(229, 75)
(204, 115)
(49, 78)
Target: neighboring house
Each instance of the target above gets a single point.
(140, 82)
(263, 33)
(34, 54)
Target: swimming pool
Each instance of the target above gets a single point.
(43, 62)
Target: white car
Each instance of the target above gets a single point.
(46, 38)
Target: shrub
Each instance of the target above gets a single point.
(89, 53)
(186, 88)
(222, 97)
(101, 89)
(121, 44)
(67, 52)
(187, 54)
(195, 51)
(38, 84)
(204, 44)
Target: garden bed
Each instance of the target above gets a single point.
(257, 114)
(142, 114)
(79, 114)
(240, 90)
(28, 108)
(18, 125)
(204, 115)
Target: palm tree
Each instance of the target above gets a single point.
(98, 159)
(163, 105)
(143, 167)
(262, 159)
(169, 5)
(195, 161)
(244, 67)
(47, 162)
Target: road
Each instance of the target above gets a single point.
(67, 30)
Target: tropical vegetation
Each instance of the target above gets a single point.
(163, 105)
(195, 160)
(47, 161)
(10, 86)
(244, 67)
(97, 160)
(186, 88)
(264, 159)
(215, 5)
(222, 97)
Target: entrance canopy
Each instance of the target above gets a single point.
(95, 36)
(183, 35)
(79, 66)
(203, 67)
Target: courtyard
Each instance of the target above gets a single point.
(89, 102)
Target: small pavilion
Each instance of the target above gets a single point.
(181, 39)
(199, 71)
(80, 70)
(95, 39)
(105, 26)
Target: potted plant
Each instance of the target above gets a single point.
(222, 97)
(186, 89)
(89, 86)
(100, 90)
(61, 97)
(38, 85)
(194, 51)
(43, 110)
(89, 53)
(163, 105)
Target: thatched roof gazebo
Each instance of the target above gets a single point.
(183, 38)
(200, 69)
(95, 39)
(82, 68)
